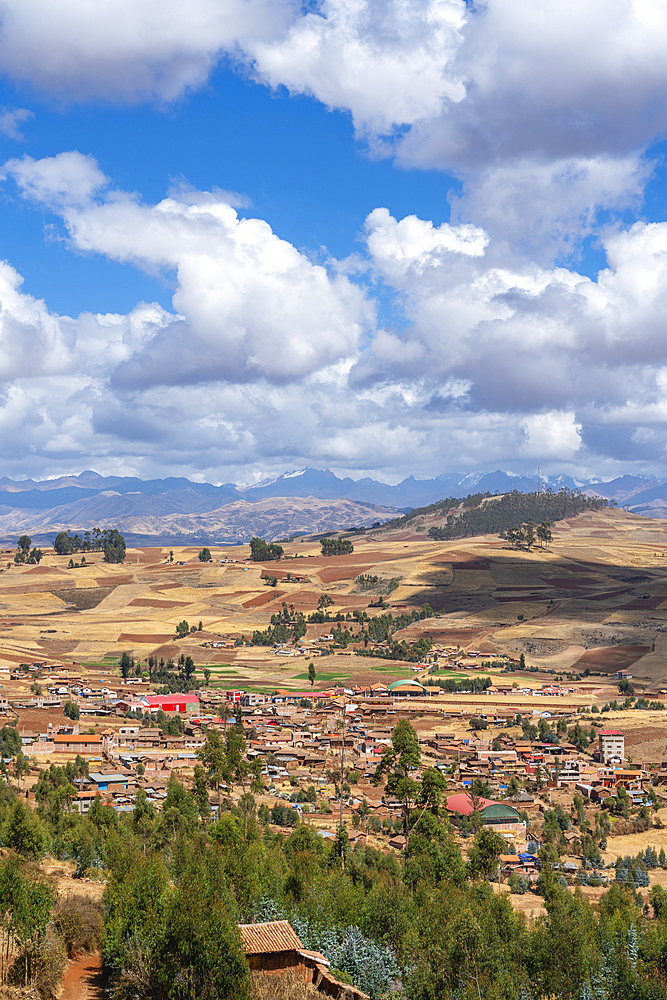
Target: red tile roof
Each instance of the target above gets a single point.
(83, 740)
(463, 803)
(275, 935)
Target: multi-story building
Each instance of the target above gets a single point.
(611, 743)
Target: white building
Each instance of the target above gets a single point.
(611, 744)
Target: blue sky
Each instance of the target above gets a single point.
(376, 237)
(298, 164)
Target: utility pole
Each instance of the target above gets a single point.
(342, 767)
(342, 778)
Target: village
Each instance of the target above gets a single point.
(532, 690)
(511, 768)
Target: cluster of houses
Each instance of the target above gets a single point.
(299, 737)
(299, 742)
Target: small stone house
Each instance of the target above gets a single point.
(273, 948)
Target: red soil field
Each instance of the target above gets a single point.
(363, 555)
(611, 658)
(37, 719)
(472, 564)
(41, 570)
(19, 657)
(173, 651)
(608, 594)
(333, 573)
(644, 604)
(519, 598)
(147, 602)
(262, 599)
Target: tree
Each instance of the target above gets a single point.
(200, 791)
(479, 789)
(336, 546)
(262, 551)
(24, 543)
(543, 532)
(397, 765)
(182, 629)
(207, 676)
(212, 756)
(240, 771)
(625, 687)
(126, 665)
(24, 832)
(311, 674)
(71, 710)
(324, 601)
(114, 546)
(63, 544)
(483, 854)
(477, 722)
(205, 555)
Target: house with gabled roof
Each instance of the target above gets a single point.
(273, 948)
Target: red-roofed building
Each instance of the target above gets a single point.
(182, 703)
(463, 803)
(500, 816)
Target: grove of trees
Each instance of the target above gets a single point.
(108, 540)
(261, 551)
(336, 546)
(484, 514)
(24, 554)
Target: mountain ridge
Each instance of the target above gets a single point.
(157, 508)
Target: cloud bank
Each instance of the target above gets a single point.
(501, 352)
(268, 359)
(544, 111)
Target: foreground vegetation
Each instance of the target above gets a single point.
(428, 924)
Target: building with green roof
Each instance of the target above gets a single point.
(408, 688)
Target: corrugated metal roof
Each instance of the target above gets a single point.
(275, 935)
(316, 956)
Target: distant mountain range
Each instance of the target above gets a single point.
(178, 510)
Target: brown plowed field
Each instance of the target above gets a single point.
(262, 599)
(83, 598)
(147, 602)
(171, 650)
(609, 659)
(644, 604)
(143, 637)
(41, 570)
(334, 573)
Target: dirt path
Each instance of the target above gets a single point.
(83, 979)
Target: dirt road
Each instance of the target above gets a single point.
(84, 980)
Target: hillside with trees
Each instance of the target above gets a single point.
(484, 514)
